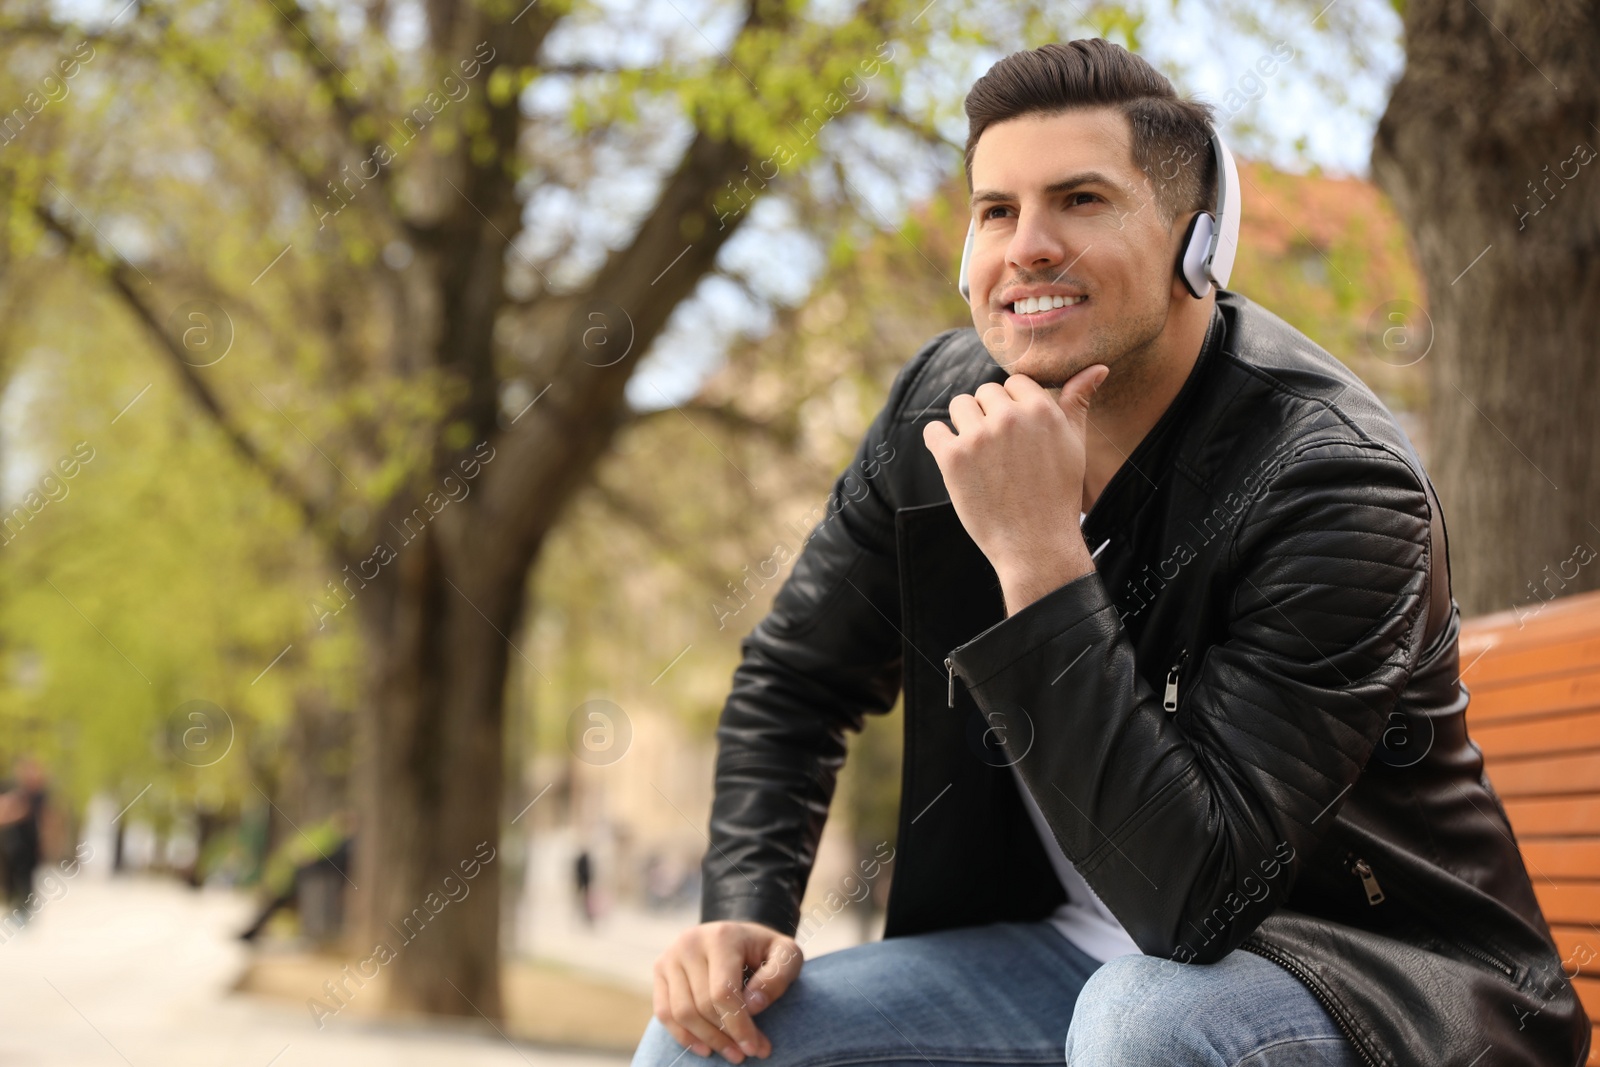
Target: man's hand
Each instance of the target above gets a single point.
(1014, 468)
(700, 993)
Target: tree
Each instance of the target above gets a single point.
(1488, 150)
(349, 204)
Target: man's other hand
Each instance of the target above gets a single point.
(700, 993)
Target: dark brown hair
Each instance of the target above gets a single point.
(1171, 134)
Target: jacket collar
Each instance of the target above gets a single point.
(1150, 462)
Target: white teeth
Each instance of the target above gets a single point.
(1034, 304)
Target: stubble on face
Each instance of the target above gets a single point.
(1126, 346)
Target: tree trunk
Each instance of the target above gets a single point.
(1488, 150)
(431, 777)
(440, 619)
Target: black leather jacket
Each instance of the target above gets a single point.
(1246, 728)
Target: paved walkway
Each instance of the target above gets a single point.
(136, 972)
(624, 942)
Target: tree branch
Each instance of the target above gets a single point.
(311, 180)
(923, 131)
(189, 61)
(780, 432)
(577, 69)
(653, 529)
(318, 61)
(120, 272)
(348, 107)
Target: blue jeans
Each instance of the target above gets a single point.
(1013, 993)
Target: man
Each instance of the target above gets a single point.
(1188, 783)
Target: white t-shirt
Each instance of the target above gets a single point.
(1083, 919)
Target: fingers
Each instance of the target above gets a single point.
(993, 400)
(937, 437)
(684, 1005)
(661, 1007)
(780, 967)
(1025, 390)
(1079, 391)
(726, 960)
(705, 1002)
(993, 397)
(965, 412)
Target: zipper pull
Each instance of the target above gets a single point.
(1169, 699)
(1369, 882)
(951, 667)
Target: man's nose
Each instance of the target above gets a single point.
(1038, 243)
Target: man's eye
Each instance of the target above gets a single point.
(1073, 200)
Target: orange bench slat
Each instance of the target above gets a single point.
(1589, 994)
(1559, 734)
(1567, 902)
(1504, 666)
(1546, 775)
(1580, 949)
(1565, 618)
(1571, 692)
(1563, 859)
(1575, 816)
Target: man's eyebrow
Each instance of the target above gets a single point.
(1088, 177)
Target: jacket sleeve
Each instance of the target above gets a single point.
(1192, 835)
(827, 654)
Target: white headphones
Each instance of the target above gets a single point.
(1208, 246)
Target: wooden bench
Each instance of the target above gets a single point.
(1535, 712)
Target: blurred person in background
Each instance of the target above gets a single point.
(583, 879)
(26, 829)
(299, 867)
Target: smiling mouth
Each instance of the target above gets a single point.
(1040, 311)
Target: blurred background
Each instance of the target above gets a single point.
(407, 407)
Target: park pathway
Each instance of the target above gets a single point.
(137, 972)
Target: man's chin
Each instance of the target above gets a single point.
(1047, 361)
(1050, 371)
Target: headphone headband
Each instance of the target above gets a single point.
(1209, 245)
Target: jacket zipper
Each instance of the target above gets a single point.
(1375, 895)
(1369, 881)
(1305, 979)
(1478, 954)
(951, 667)
(1169, 699)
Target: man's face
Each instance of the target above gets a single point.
(1061, 210)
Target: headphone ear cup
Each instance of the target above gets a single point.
(1192, 256)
